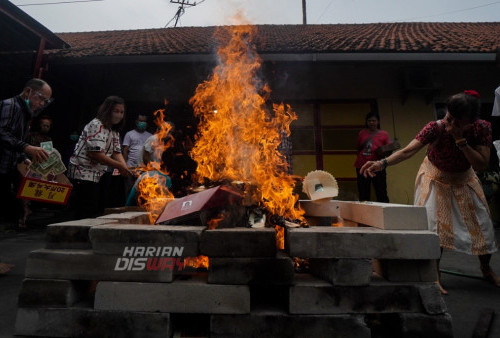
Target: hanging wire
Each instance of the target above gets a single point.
(181, 10)
(57, 3)
(451, 12)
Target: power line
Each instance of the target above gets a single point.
(451, 12)
(324, 11)
(57, 3)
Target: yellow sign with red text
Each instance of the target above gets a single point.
(44, 191)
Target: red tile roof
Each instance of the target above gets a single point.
(338, 38)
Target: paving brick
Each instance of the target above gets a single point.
(313, 296)
(72, 234)
(191, 295)
(114, 238)
(85, 265)
(361, 242)
(255, 270)
(276, 324)
(84, 322)
(406, 270)
(49, 293)
(129, 217)
(342, 271)
(239, 242)
(387, 216)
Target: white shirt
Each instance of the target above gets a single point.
(94, 138)
(135, 141)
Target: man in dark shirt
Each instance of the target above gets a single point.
(16, 114)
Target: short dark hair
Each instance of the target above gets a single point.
(45, 117)
(36, 84)
(105, 110)
(370, 115)
(463, 105)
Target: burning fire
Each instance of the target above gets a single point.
(196, 262)
(238, 135)
(153, 193)
(214, 222)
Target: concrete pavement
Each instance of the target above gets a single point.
(469, 295)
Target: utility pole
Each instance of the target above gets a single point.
(304, 14)
(180, 10)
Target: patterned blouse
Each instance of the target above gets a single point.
(94, 137)
(443, 152)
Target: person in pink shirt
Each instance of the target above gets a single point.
(369, 139)
(446, 183)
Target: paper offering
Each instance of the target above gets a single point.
(51, 167)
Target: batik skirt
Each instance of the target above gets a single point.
(456, 209)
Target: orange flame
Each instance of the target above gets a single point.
(338, 223)
(214, 222)
(196, 262)
(238, 135)
(163, 140)
(153, 193)
(280, 237)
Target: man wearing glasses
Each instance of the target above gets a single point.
(16, 114)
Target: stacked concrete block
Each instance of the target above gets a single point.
(118, 238)
(129, 217)
(72, 234)
(388, 216)
(109, 273)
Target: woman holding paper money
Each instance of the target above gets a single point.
(97, 148)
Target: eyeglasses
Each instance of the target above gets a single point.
(43, 98)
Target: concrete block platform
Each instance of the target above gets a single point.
(192, 295)
(239, 242)
(129, 217)
(86, 265)
(49, 293)
(423, 325)
(277, 270)
(72, 234)
(314, 296)
(361, 242)
(388, 216)
(114, 238)
(87, 322)
(270, 324)
(406, 270)
(342, 271)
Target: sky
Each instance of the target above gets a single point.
(91, 15)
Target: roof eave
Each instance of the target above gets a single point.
(383, 57)
(13, 12)
(284, 57)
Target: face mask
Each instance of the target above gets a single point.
(27, 101)
(142, 125)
